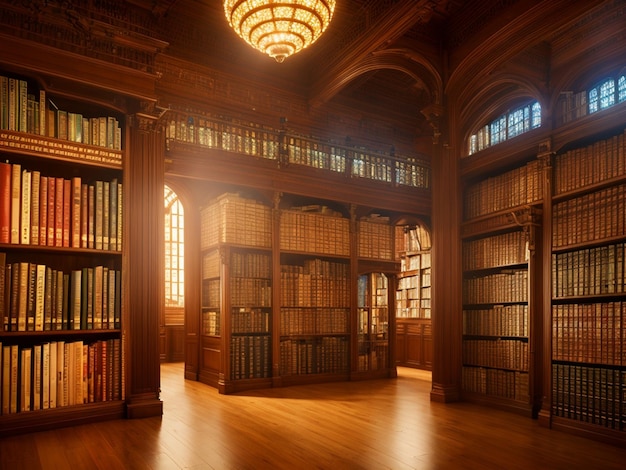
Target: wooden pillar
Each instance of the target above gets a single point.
(144, 227)
(543, 334)
(447, 286)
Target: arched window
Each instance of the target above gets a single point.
(174, 250)
(507, 126)
(602, 96)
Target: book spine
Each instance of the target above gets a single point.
(35, 185)
(5, 202)
(58, 212)
(25, 208)
(76, 212)
(16, 182)
(67, 213)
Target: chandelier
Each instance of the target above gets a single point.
(279, 28)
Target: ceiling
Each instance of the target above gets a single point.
(197, 31)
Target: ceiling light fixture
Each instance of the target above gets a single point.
(279, 28)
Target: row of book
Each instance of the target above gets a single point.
(24, 110)
(313, 321)
(312, 232)
(375, 239)
(251, 265)
(374, 356)
(594, 333)
(412, 238)
(211, 264)
(44, 210)
(59, 373)
(593, 271)
(513, 385)
(514, 188)
(250, 292)
(322, 355)
(250, 320)
(593, 216)
(603, 160)
(595, 395)
(499, 320)
(497, 353)
(35, 297)
(210, 324)
(211, 293)
(510, 286)
(247, 139)
(250, 357)
(300, 289)
(498, 250)
(235, 220)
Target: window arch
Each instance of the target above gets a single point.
(506, 126)
(174, 250)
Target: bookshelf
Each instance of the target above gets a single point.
(236, 316)
(499, 235)
(588, 298)
(315, 312)
(61, 200)
(413, 296)
(373, 322)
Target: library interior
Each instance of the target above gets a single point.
(313, 234)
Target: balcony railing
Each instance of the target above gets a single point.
(290, 149)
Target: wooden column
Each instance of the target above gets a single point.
(447, 309)
(144, 227)
(544, 334)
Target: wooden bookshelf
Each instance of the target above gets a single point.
(499, 270)
(62, 329)
(588, 358)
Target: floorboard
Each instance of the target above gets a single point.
(379, 424)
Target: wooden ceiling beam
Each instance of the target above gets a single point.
(392, 25)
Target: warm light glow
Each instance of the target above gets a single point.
(279, 28)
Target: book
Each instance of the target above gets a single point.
(4, 102)
(98, 215)
(43, 211)
(76, 295)
(76, 212)
(61, 389)
(106, 201)
(54, 377)
(5, 202)
(16, 190)
(25, 208)
(25, 381)
(35, 184)
(51, 205)
(67, 212)
(91, 202)
(59, 187)
(43, 112)
(97, 297)
(40, 293)
(13, 101)
(45, 376)
(22, 295)
(30, 297)
(84, 216)
(37, 377)
(48, 296)
(22, 106)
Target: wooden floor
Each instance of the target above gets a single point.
(382, 424)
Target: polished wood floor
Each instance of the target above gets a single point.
(381, 424)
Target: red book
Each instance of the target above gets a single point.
(67, 212)
(76, 212)
(5, 202)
